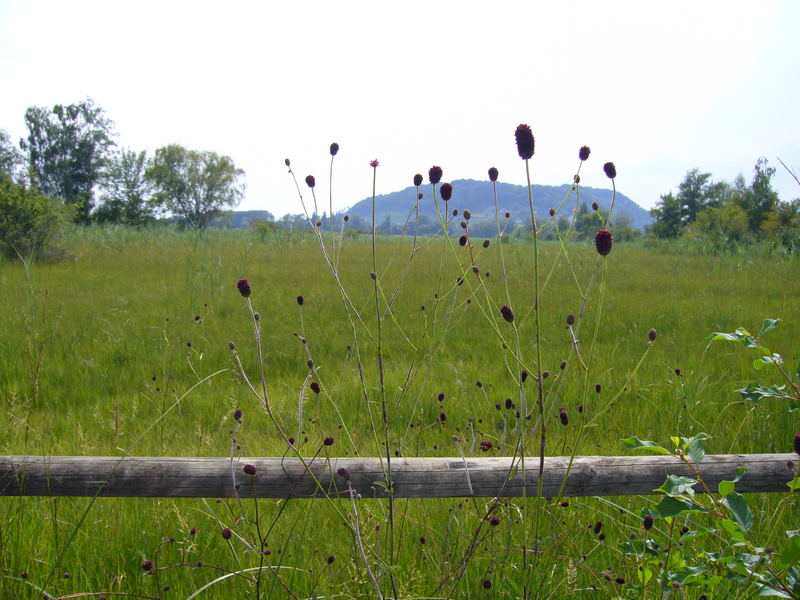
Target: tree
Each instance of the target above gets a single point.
(695, 193)
(758, 199)
(67, 148)
(126, 196)
(668, 217)
(193, 185)
(10, 158)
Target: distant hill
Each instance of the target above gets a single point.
(477, 197)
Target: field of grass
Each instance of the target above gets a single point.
(125, 348)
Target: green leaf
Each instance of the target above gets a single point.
(694, 446)
(725, 488)
(670, 507)
(741, 512)
(634, 443)
(794, 484)
(732, 529)
(765, 361)
(767, 326)
(677, 486)
(741, 335)
(756, 393)
(791, 554)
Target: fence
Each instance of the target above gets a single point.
(412, 477)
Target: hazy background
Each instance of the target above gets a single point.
(656, 88)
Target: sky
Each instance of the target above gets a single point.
(657, 88)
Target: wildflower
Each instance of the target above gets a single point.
(300, 300)
(595, 206)
(440, 397)
(237, 414)
(583, 153)
(524, 375)
(435, 175)
(648, 522)
(442, 417)
(485, 243)
(462, 241)
(310, 181)
(244, 287)
(493, 173)
(508, 315)
(507, 215)
(330, 559)
(328, 441)
(598, 388)
(552, 212)
(610, 170)
(467, 214)
(487, 585)
(250, 469)
(509, 404)
(334, 149)
(494, 522)
(651, 335)
(227, 533)
(343, 473)
(562, 365)
(374, 163)
(446, 190)
(315, 387)
(485, 445)
(417, 180)
(562, 414)
(598, 526)
(147, 565)
(525, 141)
(603, 241)
(570, 319)
(286, 162)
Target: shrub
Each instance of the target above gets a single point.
(30, 223)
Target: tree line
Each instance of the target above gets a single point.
(69, 154)
(725, 214)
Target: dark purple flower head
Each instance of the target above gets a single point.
(603, 241)
(598, 526)
(287, 162)
(250, 469)
(310, 181)
(525, 143)
(552, 212)
(417, 180)
(328, 441)
(462, 241)
(446, 190)
(509, 404)
(487, 585)
(330, 559)
(508, 315)
(467, 214)
(244, 287)
(435, 174)
(442, 417)
(315, 387)
(334, 149)
(524, 375)
(227, 533)
(595, 206)
(562, 414)
(651, 335)
(374, 163)
(648, 522)
(583, 153)
(493, 174)
(237, 414)
(343, 473)
(570, 319)
(610, 170)
(147, 565)
(300, 300)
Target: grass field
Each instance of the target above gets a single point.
(98, 353)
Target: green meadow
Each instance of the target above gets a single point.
(124, 348)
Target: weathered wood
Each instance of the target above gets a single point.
(413, 477)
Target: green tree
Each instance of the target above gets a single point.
(759, 198)
(194, 186)
(695, 193)
(782, 224)
(721, 229)
(10, 158)
(30, 223)
(126, 196)
(668, 217)
(67, 148)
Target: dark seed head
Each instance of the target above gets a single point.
(525, 143)
(648, 522)
(583, 153)
(147, 565)
(435, 174)
(328, 441)
(603, 241)
(507, 215)
(346, 218)
(467, 214)
(552, 212)
(509, 404)
(343, 473)
(227, 533)
(494, 522)
(487, 585)
(570, 319)
(334, 149)
(493, 173)
(598, 388)
(562, 414)
(508, 315)
(286, 162)
(440, 397)
(374, 163)
(610, 170)
(523, 375)
(417, 180)
(462, 241)
(300, 300)
(330, 559)
(485, 243)
(651, 335)
(442, 417)
(237, 414)
(598, 526)
(446, 190)
(315, 387)
(250, 469)
(562, 365)
(595, 206)
(244, 287)
(310, 181)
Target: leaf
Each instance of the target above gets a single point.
(791, 554)
(634, 443)
(725, 488)
(670, 507)
(756, 392)
(767, 326)
(765, 361)
(741, 335)
(741, 512)
(732, 529)
(794, 484)
(677, 486)
(694, 447)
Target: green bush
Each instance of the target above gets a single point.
(30, 223)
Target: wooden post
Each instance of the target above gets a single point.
(413, 477)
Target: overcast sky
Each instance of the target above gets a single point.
(658, 88)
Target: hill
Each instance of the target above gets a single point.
(477, 197)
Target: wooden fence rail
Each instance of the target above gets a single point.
(413, 477)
